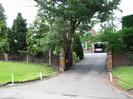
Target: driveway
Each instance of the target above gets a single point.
(85, 80)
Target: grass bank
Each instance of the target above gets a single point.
(23, 71)
(124, 74)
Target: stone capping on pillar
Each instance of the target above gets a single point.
(109, 61)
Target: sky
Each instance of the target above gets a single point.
(26, 7)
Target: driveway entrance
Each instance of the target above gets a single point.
(85, 80)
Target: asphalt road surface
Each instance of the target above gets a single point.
(85, 80)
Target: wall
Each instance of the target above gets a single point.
(34, 59)
(121, 60)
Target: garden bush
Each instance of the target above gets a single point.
(127, 21)
(128, 37)
(112, 39)
(75, 57)
(77, 46)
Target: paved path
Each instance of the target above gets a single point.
(85, 80)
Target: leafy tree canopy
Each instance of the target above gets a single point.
(127, 31)
(128, 37)
(76, 13)
(3, 31)
(56, 37)
(36, 33)
(2, 15)
(112, 40)
(17, 36)
(127, 21)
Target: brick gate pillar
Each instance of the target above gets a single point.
(109, 61)
(62, 60)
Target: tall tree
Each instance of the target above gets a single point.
(127, 21)
(36, 33)
(2, 15)
(56, 37)
(112, 40)
(76, 13)
(17, 36)
(3, 31)
(127, 29)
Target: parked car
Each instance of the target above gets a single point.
(98, 50)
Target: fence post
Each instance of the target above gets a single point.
(62, 60)
(109, 61)
(5, 56)
(27, 58)
(50, 58)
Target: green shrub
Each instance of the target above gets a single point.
(113, 40)
(128, 37)
(77, 46)
(127, 21)
(75, 57)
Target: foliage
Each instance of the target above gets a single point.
(17, 36)
(77, 46)
(75, 57)
(128, 37)
(56, 37)
(125, 76)
(2, 15)
(36, 33)
(127, 21)
(117, 41)
(23, 71)
(87, 38)
(77, 10)
(76, 13)
(127, 31)
(112, 40)
(4, 45)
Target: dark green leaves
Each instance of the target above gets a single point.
(4, 45)
(17, 37)
(127, 21)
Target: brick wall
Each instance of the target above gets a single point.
(109, 61)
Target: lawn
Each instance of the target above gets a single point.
(125, 76)
(23, 71)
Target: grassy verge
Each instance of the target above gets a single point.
(23, 71)
(125, 76)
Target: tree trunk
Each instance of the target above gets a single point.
(68, 57)
(68, 49)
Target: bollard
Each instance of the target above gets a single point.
(110, 76)
(12, 77)
(40, 75)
